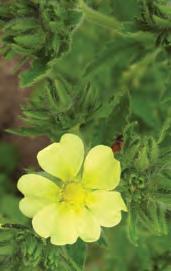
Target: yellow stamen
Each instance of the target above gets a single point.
(74, 193)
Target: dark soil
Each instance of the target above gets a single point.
(11, 97)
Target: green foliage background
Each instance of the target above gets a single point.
(99, 69)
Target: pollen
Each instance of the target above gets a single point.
(74, 193)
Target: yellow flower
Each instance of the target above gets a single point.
(83, 202)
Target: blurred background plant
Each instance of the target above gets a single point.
(100, 69)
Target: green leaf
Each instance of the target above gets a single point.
(36, 73)
(78, 253)
(21, 24)
(147, 112)
(31, 41)
(164, 198)
(132, 224)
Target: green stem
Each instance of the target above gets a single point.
(101, 19)
(13, 226)
(69, 260)
(75, 130)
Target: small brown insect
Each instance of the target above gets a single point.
(118, 144)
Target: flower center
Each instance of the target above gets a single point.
(74, 193)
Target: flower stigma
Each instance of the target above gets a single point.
(74, 194)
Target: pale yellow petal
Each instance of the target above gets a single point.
(65, 230)
(32, 185)
(112, 220)
(106, 207)
(64, 225)
(30, 206)
(101, 169)
(44, 221)
(88, 228)
(63, 159)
